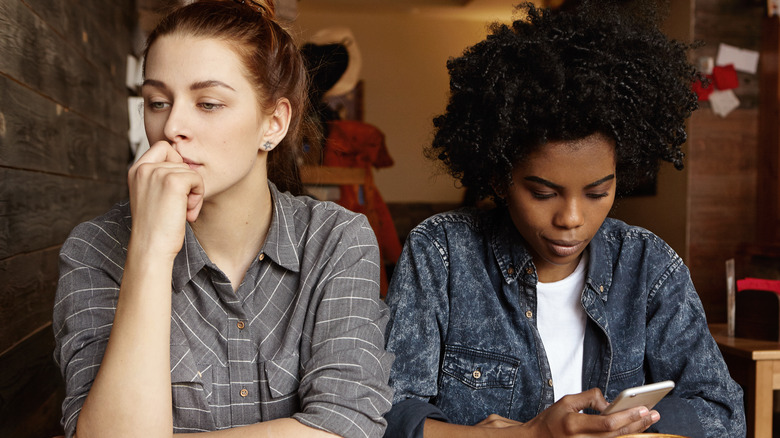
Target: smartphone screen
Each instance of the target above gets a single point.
(646, 395)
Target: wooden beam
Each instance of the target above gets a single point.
(334, 176)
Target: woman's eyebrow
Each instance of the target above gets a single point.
(543, 182)
(195, 86)
(552, 185)
(209, 84)
(601, 181)
(155, 83)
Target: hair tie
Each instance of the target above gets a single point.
(257, 7)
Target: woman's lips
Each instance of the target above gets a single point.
(565, 248)
(192, 164)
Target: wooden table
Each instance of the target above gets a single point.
(755, 365)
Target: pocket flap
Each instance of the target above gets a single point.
(479, 369)
(282, 375)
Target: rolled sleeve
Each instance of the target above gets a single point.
(407, 418)
(83, 312)
(344, 388)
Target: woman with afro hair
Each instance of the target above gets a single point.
(530, 318)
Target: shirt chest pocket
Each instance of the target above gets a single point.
(192, 379)
(191, 388)
(482, 380)
(279, 388)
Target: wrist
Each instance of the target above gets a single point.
(147, 276)
(144, 253)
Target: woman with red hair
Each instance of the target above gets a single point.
(215, 300)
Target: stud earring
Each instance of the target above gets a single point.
(268, 145)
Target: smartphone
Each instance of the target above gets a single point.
(646, 395)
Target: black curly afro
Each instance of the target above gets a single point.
(564, 75)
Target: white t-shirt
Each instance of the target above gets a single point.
(561, 324)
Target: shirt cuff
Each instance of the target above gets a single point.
(407, 418)
(677, 417)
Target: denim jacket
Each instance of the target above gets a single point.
(463, 329)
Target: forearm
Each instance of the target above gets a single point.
(131, 394)
(283, 427)
(439, 429)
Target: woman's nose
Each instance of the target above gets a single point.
(177, 127)
(570, 215)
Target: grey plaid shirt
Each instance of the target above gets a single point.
(302, 337)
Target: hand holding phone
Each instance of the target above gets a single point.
(646, 395)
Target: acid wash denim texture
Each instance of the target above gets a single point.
(463, 329)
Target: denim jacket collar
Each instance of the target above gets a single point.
(508, 246)
(599, 277)
(512, 256)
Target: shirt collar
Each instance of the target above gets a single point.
(281, 243)
(601, 261)
(508, 246)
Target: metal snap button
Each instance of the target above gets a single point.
(529, 314)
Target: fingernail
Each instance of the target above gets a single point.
(655, 416)
(643, 411)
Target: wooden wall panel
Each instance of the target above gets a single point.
(722, 156)
(89, 26)
(34, 55)
(44, 208)
(768, 223)
(39, 134)
(27, 297)
(63, 159)
(722, 192)
(30, 388)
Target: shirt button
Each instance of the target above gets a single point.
(529, 270)
(601, 288)
(476, 374)
(549, 382)
(244, 392)
(510, 271)
(261, 257)
(529, 314)
(240, 325)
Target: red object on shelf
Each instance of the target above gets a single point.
(758, 284)
(703, 91)
(725, 77)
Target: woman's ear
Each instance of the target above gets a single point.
(278, 124)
